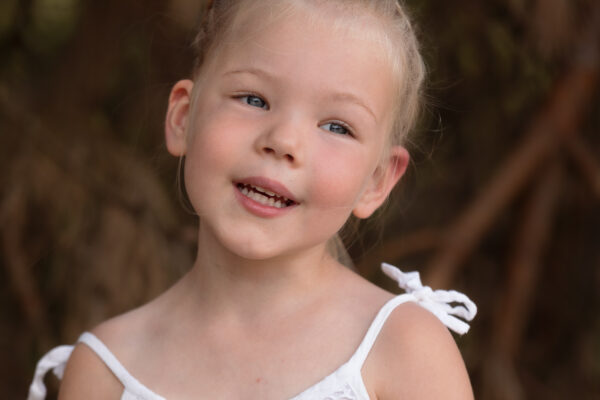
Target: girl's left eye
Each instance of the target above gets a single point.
(337, 127)
(254, 101)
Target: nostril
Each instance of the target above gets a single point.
(283, 155)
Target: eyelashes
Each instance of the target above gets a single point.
(253, 101)
(335, 126)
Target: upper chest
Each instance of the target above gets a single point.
(268, 362)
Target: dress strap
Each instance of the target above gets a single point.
(131, 385)
(436, 301)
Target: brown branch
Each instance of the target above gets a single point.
(18, 264)
(523, 274)
(558, 119)
(524, 262)
(585, 161)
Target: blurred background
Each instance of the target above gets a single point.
(501, 200)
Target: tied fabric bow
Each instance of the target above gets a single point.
(54, 360)
(436, 301)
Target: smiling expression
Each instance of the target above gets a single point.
(284, 135)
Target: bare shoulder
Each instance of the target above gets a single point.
(87, 377)
(415, 356)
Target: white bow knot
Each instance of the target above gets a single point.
(436, 301)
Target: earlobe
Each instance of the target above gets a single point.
(177, 119)
(382, 182)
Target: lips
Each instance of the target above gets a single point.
(266, 192)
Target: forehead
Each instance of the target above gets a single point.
(341, 18)
(320, 47)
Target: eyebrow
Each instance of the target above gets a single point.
(254, 71)
(336, 96)
(351, 98)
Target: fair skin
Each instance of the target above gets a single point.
(288, 113)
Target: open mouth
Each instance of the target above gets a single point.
(264, 196)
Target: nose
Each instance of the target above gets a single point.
(283, 141)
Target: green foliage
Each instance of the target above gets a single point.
(51, 24)
(8, 13)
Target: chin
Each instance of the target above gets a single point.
(259, 245)
(250, 247)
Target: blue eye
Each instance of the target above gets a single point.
(336, 127)
(254, 101)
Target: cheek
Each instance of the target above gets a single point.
(213, 141)
(339, 178)
(211, 153)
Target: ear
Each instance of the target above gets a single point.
(177, 119)
(382, 182)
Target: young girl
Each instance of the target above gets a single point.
(294, 120)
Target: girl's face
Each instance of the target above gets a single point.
(285, 136)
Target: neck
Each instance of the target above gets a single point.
(228, 283)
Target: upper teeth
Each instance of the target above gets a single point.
(264, 196)
(265, 191)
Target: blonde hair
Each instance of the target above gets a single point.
(396, 34)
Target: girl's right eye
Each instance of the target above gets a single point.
(254, 101)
